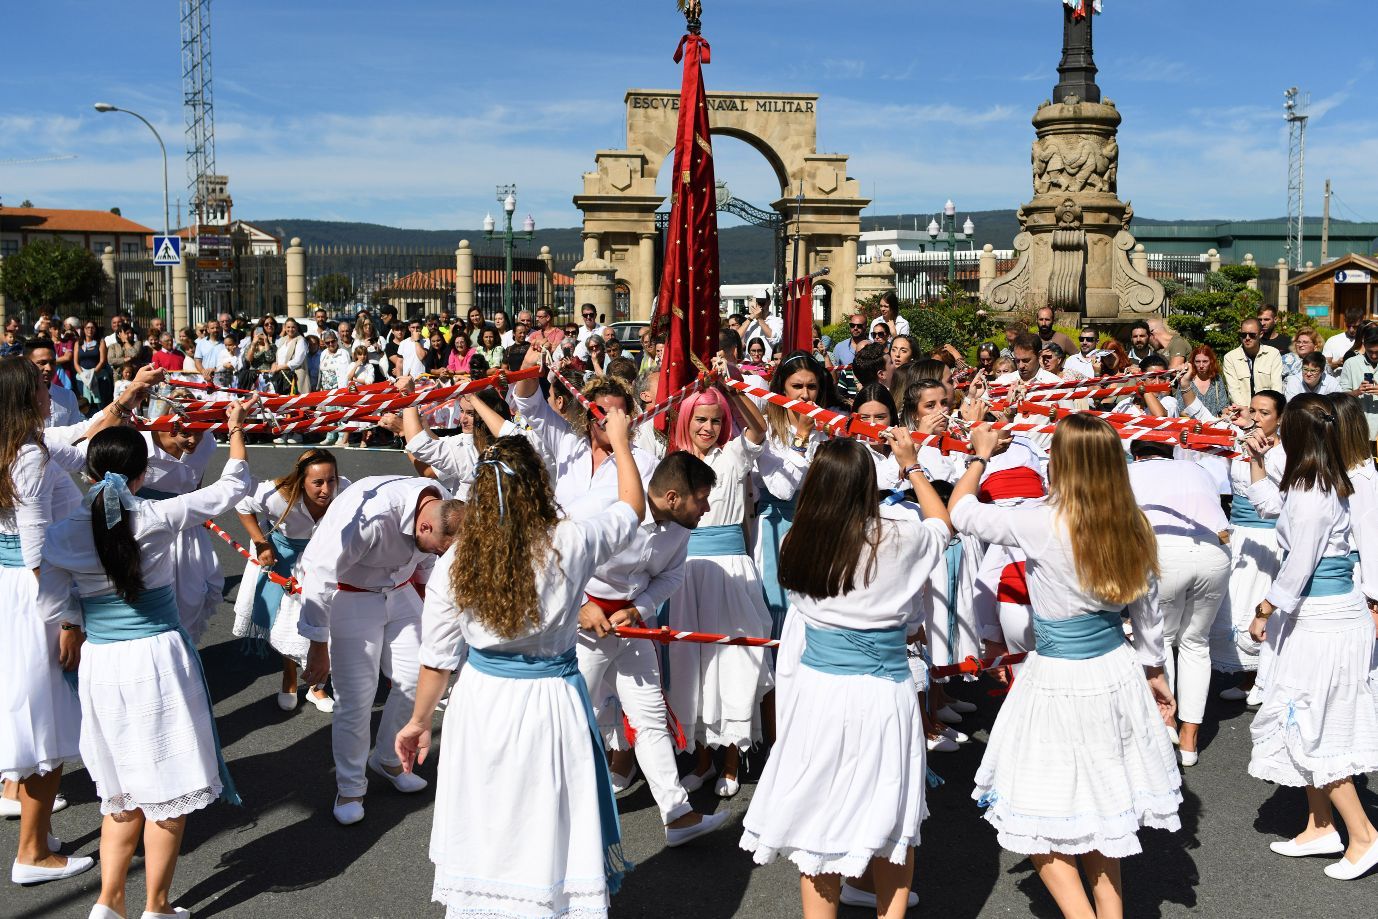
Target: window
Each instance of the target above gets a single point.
(9, 247)
(131, 250)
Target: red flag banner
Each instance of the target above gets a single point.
(687, 308)
(798, 332)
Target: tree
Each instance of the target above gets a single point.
(116, 212)
(26, 203)
(1212, 316)
(53, 273)
(334, 289)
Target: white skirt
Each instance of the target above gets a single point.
(1254, 561)
(146, 732)
(949, 620)
(199, 584)
(1079, 759)
(41, 727)
(516, 829)
(845, 781)
(284, 638)
(1319, 719)
(716, 690)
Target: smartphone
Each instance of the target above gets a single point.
(1368, 378)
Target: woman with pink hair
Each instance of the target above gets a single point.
(716, 691)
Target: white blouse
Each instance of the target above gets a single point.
(173, 474)
(732, 464)
(578, 547)
(1313, 525)
(1363, 514)
(781, 468)
(69, 555)
(1054, 588)
(909, 550)
(267, 504)
(291, 352)
(43, 493)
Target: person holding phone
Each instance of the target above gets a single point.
(1357, 378)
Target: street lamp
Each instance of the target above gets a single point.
(507, 194)
(167, 269)
(952, 237)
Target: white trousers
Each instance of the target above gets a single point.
(1191, 586)
(369, 633)
(630, 667)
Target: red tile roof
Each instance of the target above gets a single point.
(54, 220)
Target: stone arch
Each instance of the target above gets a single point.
(619, 198)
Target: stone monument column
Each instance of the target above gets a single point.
(844, 281)
(464, 278)
(107, 265)
(179, 295)
(1073, 251)
(296, 279)
(646, 270)
(547, 297)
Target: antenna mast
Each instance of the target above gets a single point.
(1295, 115)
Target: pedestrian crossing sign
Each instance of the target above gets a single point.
(167, 250)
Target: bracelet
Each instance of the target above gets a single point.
(983, 460)
(71, 627)
(909, 470)
(1259, 613)
(237, 429)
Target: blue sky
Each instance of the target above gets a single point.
(408, 113)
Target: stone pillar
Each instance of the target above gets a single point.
(107, 265)
(844, 285)
(591, 244)
(547, 297)
(595, 282)
(646, 292)
(179, 296)
(1213, 258)
(1282, 286)
(986, 270)
(1138, 259)
(2, 293)
(874, 279)
(1249, 262)
(296, 279)
(464, 278)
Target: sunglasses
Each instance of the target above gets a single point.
(589, 315)
(1090, 338)
(1245, 336)
(856, 325)
(880, 333)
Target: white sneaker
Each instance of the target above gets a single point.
(178, 912)
(323, 703)
(1329, 844)
(32, 874)
(955, 735)
(1346, 870)
(9, 808)
(288, 701)
(408, 783)
(1234, 694)
(947, 716)
(54, 844)
(942, 744)
(346, 814)
(1188, 757)
(103, 912)
(621, 783)
(961, 707)
(1255, 697)
(707, 824)
(693, 781)
(851, 896)
(727, 788)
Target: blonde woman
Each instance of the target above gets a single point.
(523, 750)
(1079, 757)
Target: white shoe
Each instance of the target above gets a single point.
(942, 744)
(178, 912)
(345, 814)
(1255, 697)
(288, 701)
(1329, 844)
(851, 896)
(59, 803)
(961, 707)
(32, 874)
(947, 716)
(955, 735)
(1188, 757)
(693, 781)
(727, 788)
(54, 844)
(1172, 732)
(10, 809)
(707, 824)
(323, 703)
(409, 783)
(1234, 694)
(103, 912)
(621, 783)
(1346, 870)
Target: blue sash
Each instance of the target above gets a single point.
(1079, 638)
(717, 541)
(952, 555)
(566, 667)
(268, 594)
(109, 618)
(776, 517)
(1244, 514)
(11, 553)
(1333, 577)
(153, 494)
(857, 652)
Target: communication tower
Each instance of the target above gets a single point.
(1294, 112)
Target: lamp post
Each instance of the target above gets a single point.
(167, 270)
(952, 237)
(507, 194)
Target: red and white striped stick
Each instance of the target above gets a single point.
(289, 584)
(665, 635)
(675, 398)
(973, 666)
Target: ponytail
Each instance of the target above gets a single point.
(116, 457)
(118, 552)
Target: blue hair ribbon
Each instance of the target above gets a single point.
(500, 469)
(113, 490)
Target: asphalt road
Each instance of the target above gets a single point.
(281, 854)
